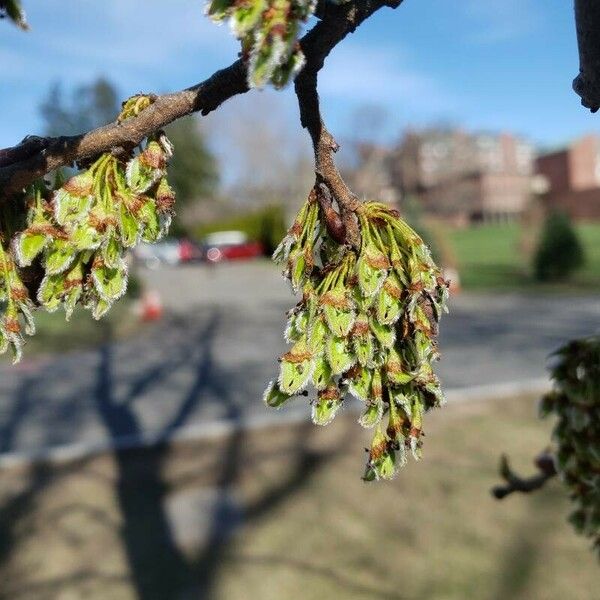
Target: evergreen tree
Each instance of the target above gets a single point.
(559, 251)
(87, 107)
(193, 169)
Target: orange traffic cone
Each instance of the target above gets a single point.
(151, 306)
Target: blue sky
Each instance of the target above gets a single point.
(483, 64)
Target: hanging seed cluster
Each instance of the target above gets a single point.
(575, 400)
(75, 235)
(268, 31)
(366, 325)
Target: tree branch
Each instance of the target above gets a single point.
(22, 164)
(515, 483)
(587, 83)
(337, 22)
(326, 171)
(33, 158)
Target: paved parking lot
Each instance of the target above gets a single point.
(211, 357)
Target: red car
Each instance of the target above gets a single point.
(189, 251)
(230, 245)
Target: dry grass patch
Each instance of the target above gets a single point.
(309, 527)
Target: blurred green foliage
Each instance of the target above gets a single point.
(134, 286)
(559, 253)
(489, 258)
(13, 10)
(193, 169)
(266, 225)
(83, 108)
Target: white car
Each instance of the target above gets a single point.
(164, 252)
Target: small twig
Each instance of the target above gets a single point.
(514, 483)
(338, 22)
(328, 178)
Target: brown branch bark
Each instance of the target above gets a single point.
(22, 164)
(338, 21)
(33, 158)
(587, 83)
(515, 483)
(326, 171)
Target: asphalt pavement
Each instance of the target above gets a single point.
(211, 356)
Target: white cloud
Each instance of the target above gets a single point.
(139, 34)
(137, 39)
(380, 74)
(502, 20)
(141, 45)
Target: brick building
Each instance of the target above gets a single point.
(464, 177)
(573, 175)
(371, 176)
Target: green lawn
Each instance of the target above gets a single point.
(55, 334)
(490, 257)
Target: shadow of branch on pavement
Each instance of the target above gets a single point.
(306, 464)
(157, 567)
(19, 503)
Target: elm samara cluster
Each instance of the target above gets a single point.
(268, 31)
(64, 244)
(366, 326)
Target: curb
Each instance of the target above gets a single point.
(58, 455)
